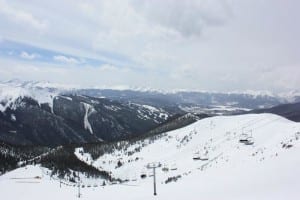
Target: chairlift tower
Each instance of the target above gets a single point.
(79, 185)
(153, 166)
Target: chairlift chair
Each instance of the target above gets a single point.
(143, 174)
(173, 167)
(249, 141)
(196, 156)
(165, 168)
(202, 156)
(243, 138)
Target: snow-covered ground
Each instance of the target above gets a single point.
(268, 169)
(216, 139)
(147, 112)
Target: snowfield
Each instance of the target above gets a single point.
(205, 160)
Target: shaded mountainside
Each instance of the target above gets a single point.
(75, 119)
(289, 111)
(30, 124)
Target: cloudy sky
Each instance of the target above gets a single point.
(219, 45)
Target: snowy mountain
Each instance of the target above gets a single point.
(172, 101)
(39, 114)
(75, 119)
(205, 145)
(186, 101)
(252, 156)
(45, 113)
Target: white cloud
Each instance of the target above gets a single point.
(197, 44)
(104, 75)
(19, 15)
(188, 17)
(66, 60)
(27, 56)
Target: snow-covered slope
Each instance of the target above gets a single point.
(268, 169)
(275, 179)
(216, 139)
(50, 114)
(209, 148)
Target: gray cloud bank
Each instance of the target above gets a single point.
(219, 45)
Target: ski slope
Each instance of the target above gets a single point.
(268, 169)
(215, 140)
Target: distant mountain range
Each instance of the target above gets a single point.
(43, 113)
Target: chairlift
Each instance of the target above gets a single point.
(297, 135)
(165, 168)
(203, 156)
(143, 174)
(196, 156)
(249, 141)
(243, 138)
(246, 139)
(173, 167)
